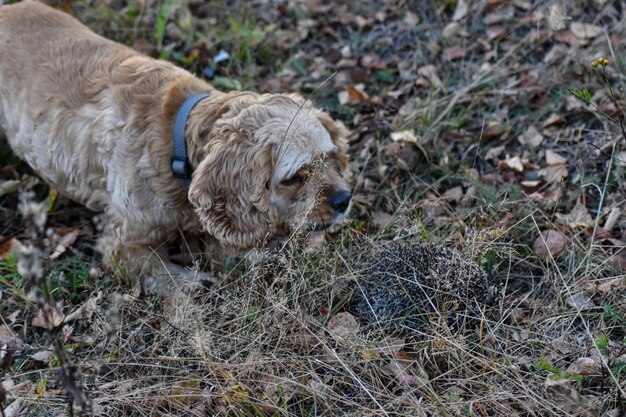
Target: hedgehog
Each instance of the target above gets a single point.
(407, 284)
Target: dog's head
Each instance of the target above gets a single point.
(270, 163)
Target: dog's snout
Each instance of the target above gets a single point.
(340, 201)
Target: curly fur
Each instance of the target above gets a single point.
(94, 119)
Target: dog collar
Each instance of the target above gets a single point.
(180, 164)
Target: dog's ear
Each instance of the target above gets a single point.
(228, 188)
(338, 134)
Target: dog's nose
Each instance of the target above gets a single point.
(340, 201)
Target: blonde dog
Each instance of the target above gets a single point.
(99, 121)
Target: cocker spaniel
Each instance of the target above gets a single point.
(98, 121)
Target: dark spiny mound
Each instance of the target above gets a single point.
(414, 283)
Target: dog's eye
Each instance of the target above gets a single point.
(291, 180)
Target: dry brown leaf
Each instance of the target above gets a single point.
(5, 333)
(619, 258)
(495, 33)
(553, 119)
(461, 10)
(407, 136)
(453, 53)
(554, 174)
(381, 219)
(453, 194)
(13, 316)
(65, 242)
(563, 393)
(405, 155)
(581, 301)
(404, 374)
(553, 158)
(343, 327)
(515, 163)
(277, 389)
(584, 366)
(567, 37)
(86, 310)
(585, 30)
(430, 73)
(8, 246)
(550, 242)
(49, 316)
(607, 286)
(7, 186)
(556, 16)
(451, 30)
(620, 159)
(612, 218)
(577, 218)
(45, 356)
(354, 94)
(531, 137)
(411, 19)
(494, 152)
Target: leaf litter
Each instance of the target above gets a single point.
(462, 133)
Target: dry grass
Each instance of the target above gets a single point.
(282, 334)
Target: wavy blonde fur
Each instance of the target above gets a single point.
(94, 119)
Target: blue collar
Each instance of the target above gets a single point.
(180, 164)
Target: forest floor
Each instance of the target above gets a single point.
(467, 135)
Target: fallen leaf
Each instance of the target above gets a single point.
(277, 389)
(515, 163)
(548, 196)
(584, 366)
(453, 53)
(354, 94)
(405, 154)
(556, 16)
(495, 33)
(65, 242)
(411, 19)
(585, 30)
(554, 174)
(567, 37)
(612, 218)
(577, 218)
(8, 246)
(454, 194)
(45, 356)
(620, 159)
(13, 316)
(8, 186)
(86, 310)
(607, 286)
(494, 152)
(531, 137)
(430, 73)
(461, 10)
(581, 301)
(550, 242)
(49, 317)
(553, 119)
(404, 374)
(343, 327)
(451, 30)
(381, 219)
(564, 395)
(553, 158)
(404, 136)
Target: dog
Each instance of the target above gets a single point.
(158, 150)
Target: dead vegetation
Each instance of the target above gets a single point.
(465, 134)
